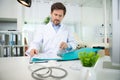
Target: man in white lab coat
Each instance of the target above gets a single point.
(53, 37)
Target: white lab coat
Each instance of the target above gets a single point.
(50, 40)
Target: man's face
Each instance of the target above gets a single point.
(57, 16)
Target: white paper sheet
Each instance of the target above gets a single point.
(46, 56)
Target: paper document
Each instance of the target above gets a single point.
(46, 56)
(43, 57)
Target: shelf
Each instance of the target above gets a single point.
(11, 44)
(10, 20)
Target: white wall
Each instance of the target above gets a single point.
(8, 8)
(8, 15)
(5, 26)
(36, 13)
(92, 18)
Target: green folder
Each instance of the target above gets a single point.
(72, 55)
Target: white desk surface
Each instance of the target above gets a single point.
(16, 68)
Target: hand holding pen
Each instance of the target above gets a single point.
(33, 52)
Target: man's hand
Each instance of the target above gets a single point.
(33, 52)
(63, 45)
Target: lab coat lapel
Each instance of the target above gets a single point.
(61, 31)
(50, 39)
(51, 29)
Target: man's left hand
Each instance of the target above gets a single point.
(63, 45)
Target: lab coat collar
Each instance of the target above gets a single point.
(51, 23)
(59, 25)
(51, 27)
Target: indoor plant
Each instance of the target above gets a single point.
(47, 19)
(88, 59)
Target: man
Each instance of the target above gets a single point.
(53, 37)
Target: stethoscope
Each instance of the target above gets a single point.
(43, 73)
(48, 73)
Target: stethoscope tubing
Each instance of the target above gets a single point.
(37, 76)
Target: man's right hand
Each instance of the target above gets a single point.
(33, 52)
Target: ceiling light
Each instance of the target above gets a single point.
(26, 3)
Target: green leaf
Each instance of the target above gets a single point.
(47, 19)
(88, 59)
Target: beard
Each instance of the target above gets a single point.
(56, 22)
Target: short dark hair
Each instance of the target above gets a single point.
(58, 5)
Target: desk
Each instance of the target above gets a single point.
(16, 68)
